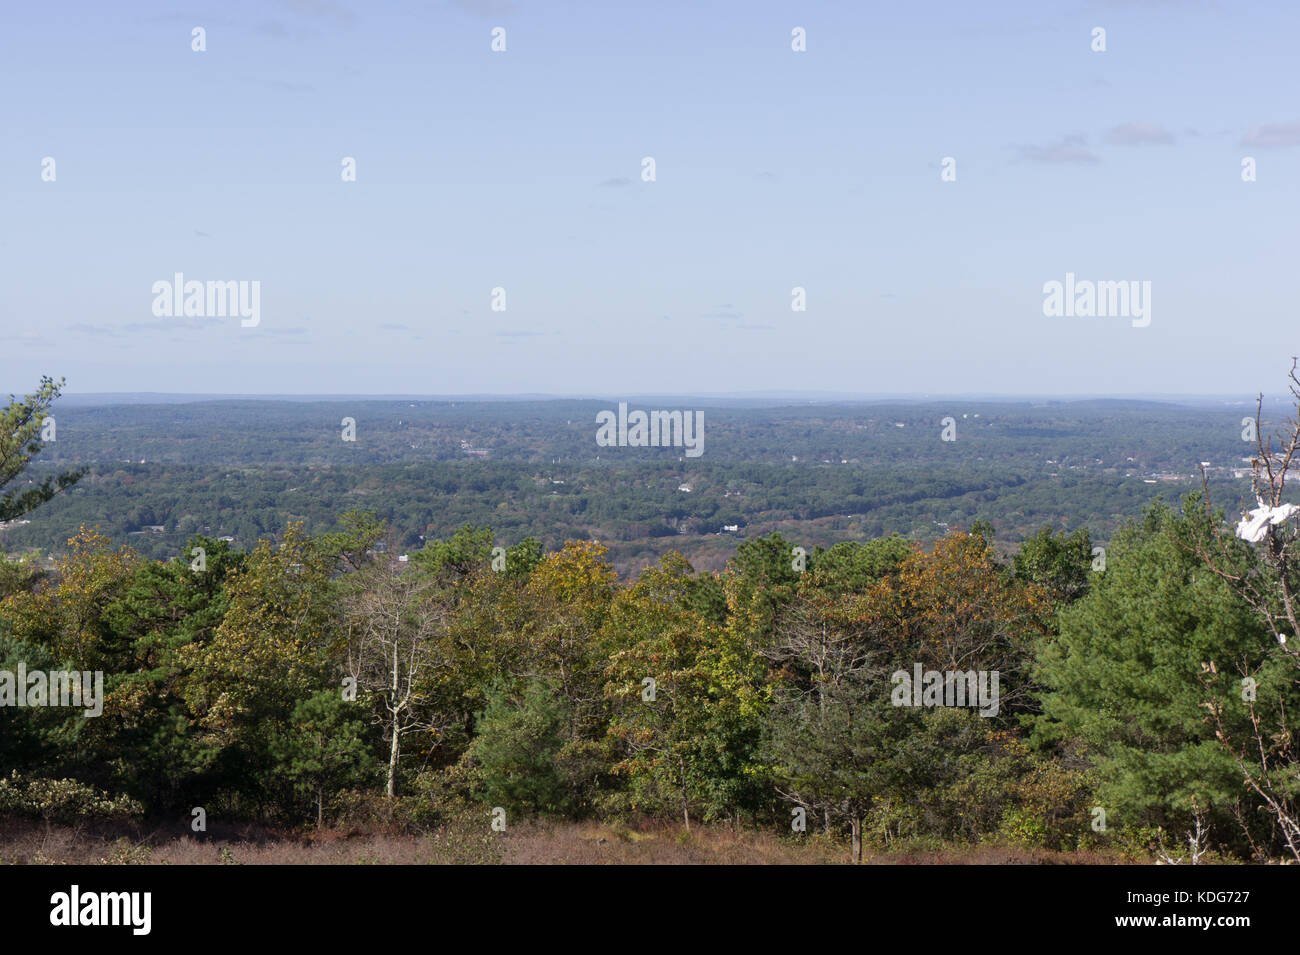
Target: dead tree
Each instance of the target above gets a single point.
(1267, 755)
(396, 625)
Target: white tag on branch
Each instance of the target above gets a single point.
(1254, 527)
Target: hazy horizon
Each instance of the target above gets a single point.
(810, 397)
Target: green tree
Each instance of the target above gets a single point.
(466, 550)
(275, 646)
(1059, 564)
(21, 425)
(146, 738)
(844, 748)
(760, 581)
(1127, 688)
(322, 748)
(854, 567)
(689, 700)
(71, 620)
(517, 757)
(18, 576)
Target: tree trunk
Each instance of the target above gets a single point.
(392, 765)
(686, 805)
(320, 805)
(855, 825)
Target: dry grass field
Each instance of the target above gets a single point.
(526, 844)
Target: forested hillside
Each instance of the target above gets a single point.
(819, 474)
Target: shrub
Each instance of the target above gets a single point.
(62, 800)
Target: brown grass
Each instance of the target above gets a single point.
(528, 843)
(660, 844)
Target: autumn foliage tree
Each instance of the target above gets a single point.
(688, 701)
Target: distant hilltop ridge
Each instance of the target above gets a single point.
(724, 398)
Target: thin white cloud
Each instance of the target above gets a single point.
(1140, 134)
(487, 8)
(1071, 149)
(1277, 136)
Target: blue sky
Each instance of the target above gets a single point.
(775, 169)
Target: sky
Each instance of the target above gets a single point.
(522, 169)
